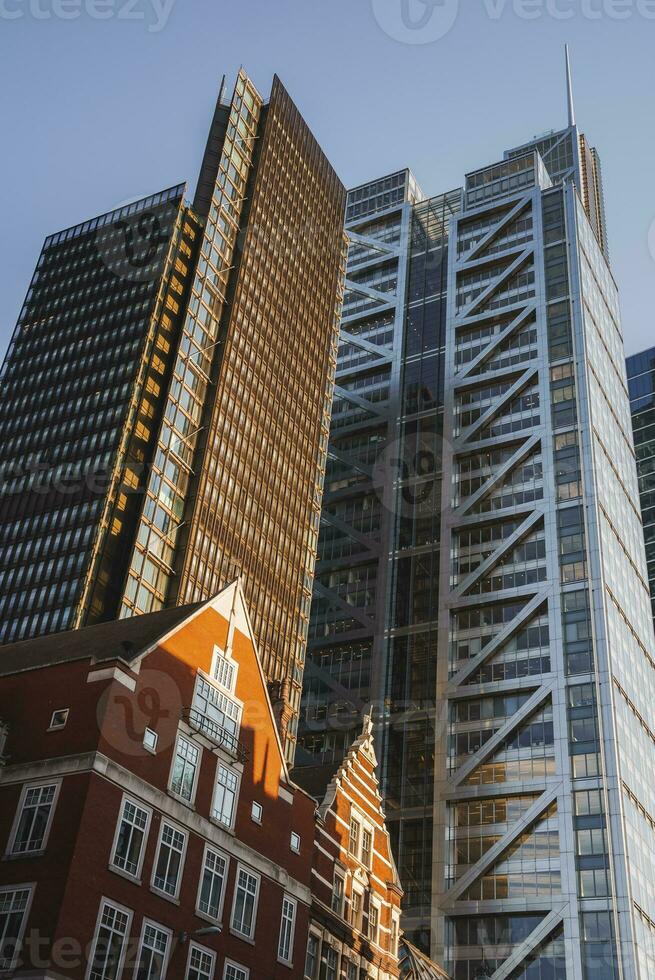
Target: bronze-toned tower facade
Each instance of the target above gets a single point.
(235, 428)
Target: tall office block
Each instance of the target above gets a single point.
(641, 382)
(375, 610)
(524, 830)
(83, 377)
(544, 844)
(219, 419)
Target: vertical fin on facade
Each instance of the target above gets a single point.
(212, 155)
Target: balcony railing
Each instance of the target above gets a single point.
(215, 732)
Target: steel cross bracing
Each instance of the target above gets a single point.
(511, 383)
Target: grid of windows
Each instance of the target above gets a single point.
(86, 339)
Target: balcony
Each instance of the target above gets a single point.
(215, 733)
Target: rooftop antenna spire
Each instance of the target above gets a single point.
(569, 87)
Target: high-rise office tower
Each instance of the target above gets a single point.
(185, 353)
(541, 808)
(641, 383)
(375, 610)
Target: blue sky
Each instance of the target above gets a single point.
(104, 100)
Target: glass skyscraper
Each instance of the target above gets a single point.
(482, 577)
(641, 382)
(166, 395)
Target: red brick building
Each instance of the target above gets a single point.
(356, 893)
(149, 827)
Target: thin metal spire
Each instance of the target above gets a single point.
(569, 87)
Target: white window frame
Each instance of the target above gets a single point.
(205, 952)
(221, 904)
(317, 936)
(360, 924)
(92, 951)
(295, 836)
(332, 949)
(155, 739)
(182, 736)
(373, 904)
(231, 701)
(11, 843)
(351, 965)
(231, 769)
(156, 888)
(220, 654)
(169, 945)
(366, 829)
(354, 818)
(257, 812)
(28, 887)
(52, 727)
(287, 960)
(136, 876)
(236, 966)
(253, 874)
(342, 878)
(394, 937)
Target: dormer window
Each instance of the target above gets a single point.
(224, 670)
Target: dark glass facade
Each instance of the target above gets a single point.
(213, 409)
(641, 382)
(375, 605)
(83, 376)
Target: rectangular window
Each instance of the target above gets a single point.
(337, 895)
(331, 964)
(235, 972)
(352, 972)
(36, 809)
(14, 904)
(311, 959)
(185, 769)
(367, 844)
(353, 844)
(224, 670)
(287, 926)
(373, 922)
(244, 912)
(200, 965)
(394, 935)
(111, 937)
(150, 740)
(212, 884)
(168, 868)
(153, 952)
(356, 910)
(130, 838)
(225, 796)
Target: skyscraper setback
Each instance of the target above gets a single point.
(514, 696)
(167, 391)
